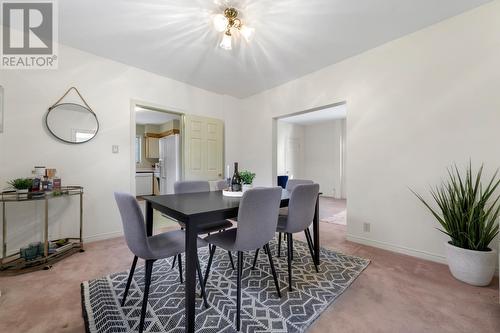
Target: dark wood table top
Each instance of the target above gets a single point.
(189, 205)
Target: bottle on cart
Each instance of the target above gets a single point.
(236, 180)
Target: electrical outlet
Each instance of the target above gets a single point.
(366, 227)
(115, 149)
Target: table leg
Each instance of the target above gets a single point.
(4, 233)
(46, 228)
(81, 219)
(316, 232)
(190, 281)
(149, 219)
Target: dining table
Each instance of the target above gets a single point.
(195, 210)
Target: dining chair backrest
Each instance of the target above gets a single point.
(191, 186)
(290, 185)
(301, 207)
(257, 218)
(221, 185)
(133, 225)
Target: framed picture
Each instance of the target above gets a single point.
(1, 109)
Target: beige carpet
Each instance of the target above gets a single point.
(332, 210)
(340, 218)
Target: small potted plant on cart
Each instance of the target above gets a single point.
(22, 186)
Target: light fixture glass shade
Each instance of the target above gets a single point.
(247, 32)
(226, 42)
(220, 22)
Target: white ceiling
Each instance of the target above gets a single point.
(316, 117)
(175, 38)
(145, 116)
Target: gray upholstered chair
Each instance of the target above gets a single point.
(221, 185)
(191, 186)
(301, 208)
(164, 245)
(196, 186)
(290, 185)
(259, 209)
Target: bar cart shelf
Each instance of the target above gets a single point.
(14, 264)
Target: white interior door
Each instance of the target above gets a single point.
(203, 148)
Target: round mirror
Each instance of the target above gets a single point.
(72, 123)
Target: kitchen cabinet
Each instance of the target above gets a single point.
(152, 147)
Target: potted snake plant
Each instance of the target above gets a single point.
(468, 212)
(247, 178)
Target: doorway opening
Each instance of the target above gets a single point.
(312, 145)
(156, 150)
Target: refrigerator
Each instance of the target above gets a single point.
(169, 163)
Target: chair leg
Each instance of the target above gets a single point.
(271, 263)
(255, 258)
(279, 244)
(231, 259)
(291, 241)
(311, 250)
(289, 259)
(209, 265)
(179, 260)
(238, 290)
(202, 283)
(173, 262)
(147, 282)
(129, 280)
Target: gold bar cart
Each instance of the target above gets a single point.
(14, 264)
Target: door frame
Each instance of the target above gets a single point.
(154, 107)
(275, 120)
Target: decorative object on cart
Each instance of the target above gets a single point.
(39, 172)
(32, 251)
(22, 186)
(468, 213)
(247, 178)
(236, 180)
(1, 109)
(71, 122)
(45, 180)
(28, 259)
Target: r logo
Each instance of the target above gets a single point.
(28, 28)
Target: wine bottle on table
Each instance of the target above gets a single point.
(236, 180)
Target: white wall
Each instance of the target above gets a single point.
(108, 87)
(322, 156)
(292, 166)
(416, 105)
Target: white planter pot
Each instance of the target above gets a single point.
(22, 194)
(246, 187)
(472, 267)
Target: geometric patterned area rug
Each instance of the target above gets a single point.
(261, 311)
(339, 218)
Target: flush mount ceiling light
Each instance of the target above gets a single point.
(229, 23)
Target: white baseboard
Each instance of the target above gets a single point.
(396, 248)
(400, 249)
(99, 237)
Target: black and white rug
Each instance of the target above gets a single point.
(262, 310)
